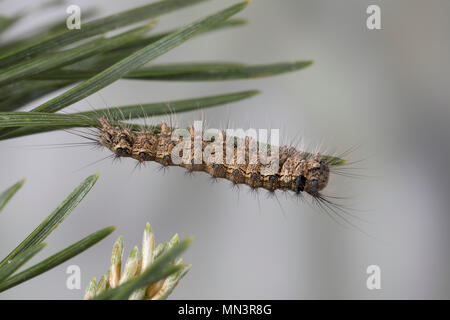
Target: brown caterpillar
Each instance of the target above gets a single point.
(297, 171)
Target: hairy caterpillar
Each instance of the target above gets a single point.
(297, 171)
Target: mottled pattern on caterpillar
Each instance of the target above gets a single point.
(298, 171)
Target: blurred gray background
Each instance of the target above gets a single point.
(386, 90)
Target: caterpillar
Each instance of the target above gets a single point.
(296, 171)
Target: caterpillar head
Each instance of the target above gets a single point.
(304, 172)
(316, 172)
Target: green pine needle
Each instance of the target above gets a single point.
(198, 71)
(56, 259)
(54, 219)
(32, 122)
(95, 27)
(19, 260)
(6, 195)
(31, 67)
